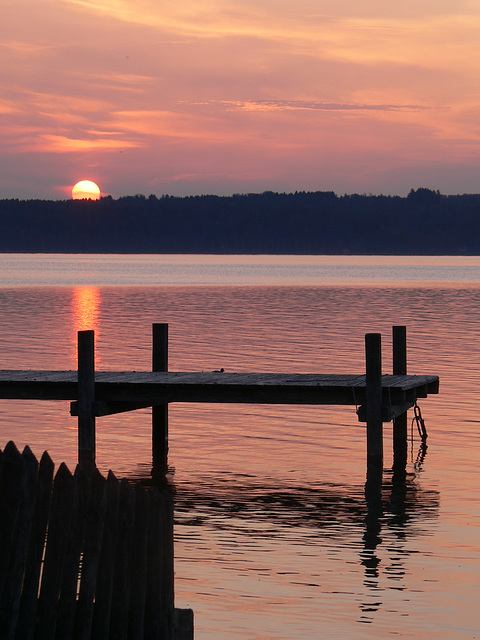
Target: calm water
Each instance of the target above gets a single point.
(272, 535)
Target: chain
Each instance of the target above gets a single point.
(422, 431)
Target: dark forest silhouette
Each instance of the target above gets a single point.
(423, 223)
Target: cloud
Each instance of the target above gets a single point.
(62, 144)
(7, 107)
(25, 49)
(427, 35)
(311, 105)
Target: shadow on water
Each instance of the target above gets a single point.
(221, 500)
(399, 509)
(380, 526)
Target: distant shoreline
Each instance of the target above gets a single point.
(424, 223)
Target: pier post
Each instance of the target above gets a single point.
(373, 359)
(86, 398)
(160, 412)
(400, 423)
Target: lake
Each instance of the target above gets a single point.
(272, 536)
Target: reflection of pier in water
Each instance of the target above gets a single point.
(249, 508)
(327, 514)
(319, 508)
(398, 517)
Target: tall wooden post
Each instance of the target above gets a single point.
(160, 412)
(86, 398)
(400, 423)
(373, 358)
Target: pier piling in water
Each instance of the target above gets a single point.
(373, 362)
(400, 422)
(160, 411)
(86, 398)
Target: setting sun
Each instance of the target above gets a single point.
(86, 189)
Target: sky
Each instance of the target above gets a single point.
(183, 97)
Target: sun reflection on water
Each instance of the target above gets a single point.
(86, 305)
(86, 308)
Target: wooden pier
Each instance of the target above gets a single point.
(378, 398)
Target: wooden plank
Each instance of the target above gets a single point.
(28, 603)
(121, 579)
(10, 498)
(110, 408)
(149, 388)
(155, 625)
(229, 392)
(127, 391)
(57, 540)
(9, 607)
(74, 534)
(388, 413)
(104, 588)
(139, 565)
(38, 385)
(167, 577)
(95, 518)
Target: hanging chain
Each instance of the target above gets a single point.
(422, 431)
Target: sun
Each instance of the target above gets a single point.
(86, 189)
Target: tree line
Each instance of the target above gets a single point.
(423, 223)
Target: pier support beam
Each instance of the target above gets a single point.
(373, 358)
(400, 423)
(86, 398)
(160, 412)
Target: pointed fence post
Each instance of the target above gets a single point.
(86, 398)
(400, 423)
(160, 412)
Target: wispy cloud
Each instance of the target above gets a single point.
(311, 105)
(25, 49)
(420, 37)
(64, 144)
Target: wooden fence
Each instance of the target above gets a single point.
(84, 557)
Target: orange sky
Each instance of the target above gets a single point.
(186, 97)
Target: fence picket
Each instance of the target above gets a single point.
(10, 489)
(41, 512)
(121, 575)
(139, 566)
(91, 557)
(167, 573)
(74, 533)
(104, 588)
(19, 547)
(154, 627)
(57, 539)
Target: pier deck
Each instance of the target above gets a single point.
(154, 388)
(378, 398)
